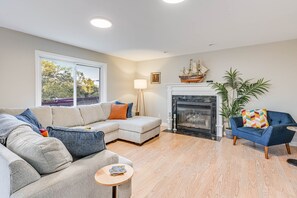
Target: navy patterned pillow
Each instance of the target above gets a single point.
(28, 117)
(79, 142)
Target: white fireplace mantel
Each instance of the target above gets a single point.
(198, 89)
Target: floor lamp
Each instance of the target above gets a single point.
(140, 85)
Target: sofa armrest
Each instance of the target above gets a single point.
(123, 160)
(75, 181)
(16, 173)
(4, 174)
(236, 122)
(126, 188)
(278, 134)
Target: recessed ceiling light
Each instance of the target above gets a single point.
(101, 23)
(173, 1)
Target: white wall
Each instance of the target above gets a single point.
(276, 62)
(17, 68)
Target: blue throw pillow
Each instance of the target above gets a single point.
(79, 142)
(28, 117)
(129, 110)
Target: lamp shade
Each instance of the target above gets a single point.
(140, 84)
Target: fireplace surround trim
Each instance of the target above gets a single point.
(199, 89)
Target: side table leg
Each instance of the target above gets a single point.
(114, 192)
(292, 162)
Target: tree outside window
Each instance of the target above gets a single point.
(59, 87)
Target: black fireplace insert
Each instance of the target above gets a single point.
(195, 115)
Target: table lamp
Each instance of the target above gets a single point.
(140, 85)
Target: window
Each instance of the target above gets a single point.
(87, 85)
(67, 81)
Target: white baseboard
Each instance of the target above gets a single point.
(164, 124)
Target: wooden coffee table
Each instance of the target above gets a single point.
(292, 161)
(103, 177)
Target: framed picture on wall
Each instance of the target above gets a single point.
(155, 77)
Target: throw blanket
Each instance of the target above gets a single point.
(7, 124)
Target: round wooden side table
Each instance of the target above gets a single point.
(292, 161)
(103, 177)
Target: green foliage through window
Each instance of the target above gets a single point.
(58, 83)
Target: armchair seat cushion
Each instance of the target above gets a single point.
(251, 131)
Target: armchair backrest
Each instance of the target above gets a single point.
(277, 118)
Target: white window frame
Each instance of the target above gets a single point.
(38, 74)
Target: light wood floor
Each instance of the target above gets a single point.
(175, 165)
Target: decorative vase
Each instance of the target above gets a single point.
(228, 132)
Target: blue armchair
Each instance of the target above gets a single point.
(276, 133)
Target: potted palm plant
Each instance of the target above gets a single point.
(236, 93)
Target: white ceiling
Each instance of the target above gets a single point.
(144, 29)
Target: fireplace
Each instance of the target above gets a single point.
(195, 115)
(194, 109)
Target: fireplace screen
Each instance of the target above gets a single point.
(194, 115)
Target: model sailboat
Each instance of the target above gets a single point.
(195, 73)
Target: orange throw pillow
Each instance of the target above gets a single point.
(118, 111)
(44, 132)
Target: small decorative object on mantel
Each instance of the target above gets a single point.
(195, 73)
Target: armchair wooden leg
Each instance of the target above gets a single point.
(234, 140)
(266, 152)
(288, 148)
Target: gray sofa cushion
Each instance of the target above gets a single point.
(104, 126)
(44, 115)
(79, 142)
(16, 173)
(67, 116)
(106, 107)
(46, 155)
(139, 124)
(11, 111)
(92, 113)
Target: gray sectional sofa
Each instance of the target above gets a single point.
(137, 129)
(20, 179)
